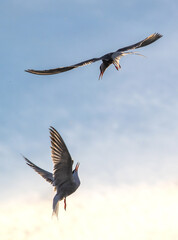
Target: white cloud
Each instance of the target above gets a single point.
(129, 212)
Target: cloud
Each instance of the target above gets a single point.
(129, 212)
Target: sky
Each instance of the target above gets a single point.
(122, 129)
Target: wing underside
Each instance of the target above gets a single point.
(62, 69)
(62, 161)
(45, 174)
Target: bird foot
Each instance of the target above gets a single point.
(116, 66)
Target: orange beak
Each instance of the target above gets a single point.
(77, 166)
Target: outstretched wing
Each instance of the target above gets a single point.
(62, 69)
(45, 174)
(62, 160)
(152, 38)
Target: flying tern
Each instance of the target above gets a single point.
(64, 180)
(107, 59)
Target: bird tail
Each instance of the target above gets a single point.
(55, 205)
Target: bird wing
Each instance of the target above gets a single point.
(45, 174)
(152, 38)
(61, 158)
(62, 69)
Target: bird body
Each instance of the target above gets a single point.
(64, 180)
(107, 59)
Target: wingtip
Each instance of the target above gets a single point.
(32, 71)
(52, 132)
(23, 156)
(52, 129)
(27, 70)
(158, 35)
(27, 161)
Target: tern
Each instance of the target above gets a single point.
(64, 180)
(107, 59)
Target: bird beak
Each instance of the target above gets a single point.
(77, 166)
(101, 75)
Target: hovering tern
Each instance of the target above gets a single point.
(64, 180)
(107, 59)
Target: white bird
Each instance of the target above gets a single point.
(107, 59)
(64, 180)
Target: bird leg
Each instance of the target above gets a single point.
(65, 205)
(117, 66)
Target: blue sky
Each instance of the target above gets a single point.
(122, 129)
